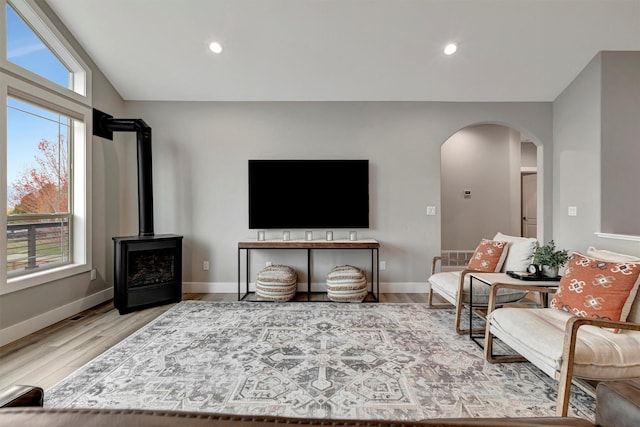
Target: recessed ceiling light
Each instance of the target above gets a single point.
(215, 47)
(450, 49)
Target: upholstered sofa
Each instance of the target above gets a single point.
(617, 405)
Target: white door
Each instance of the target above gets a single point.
(529, 204)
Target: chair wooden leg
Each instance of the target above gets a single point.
(488, 345)
(564, 386)
(434, 261)
(456, 322)
(432, 304)
(430, 299)
(499, 358)
(564, 394)
(566, 369)
(488, 336)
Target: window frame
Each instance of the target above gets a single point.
(59, 46)
(25, 85)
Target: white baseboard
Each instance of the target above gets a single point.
(43, 320)
(210, 287)
(232, 287)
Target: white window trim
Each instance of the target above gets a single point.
(81, 218)
(81, 91)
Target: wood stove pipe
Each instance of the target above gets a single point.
(104, 126)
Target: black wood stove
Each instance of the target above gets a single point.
(147, 267)
(147, 271)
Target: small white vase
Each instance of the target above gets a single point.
(549, 271)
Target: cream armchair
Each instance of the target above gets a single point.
(452, 284)
(565, 346)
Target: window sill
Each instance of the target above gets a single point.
(618, 236)
(19, 283)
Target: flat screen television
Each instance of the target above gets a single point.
(308, 194)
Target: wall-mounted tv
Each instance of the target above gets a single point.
(308, 194)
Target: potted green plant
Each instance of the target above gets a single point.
(549, 259)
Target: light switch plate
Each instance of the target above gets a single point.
(431, 210)
(573, 211)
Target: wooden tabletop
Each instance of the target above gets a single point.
(491, 278)
(309, 244)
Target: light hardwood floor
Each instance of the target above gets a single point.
(46, 357)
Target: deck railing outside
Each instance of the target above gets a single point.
(34, 242)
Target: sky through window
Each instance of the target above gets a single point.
(27, 125)
(26, 49)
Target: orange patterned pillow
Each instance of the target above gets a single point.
(599, 289)
(489, 256)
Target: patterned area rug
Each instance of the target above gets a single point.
(320, 360)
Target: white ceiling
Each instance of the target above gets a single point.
(365, 50)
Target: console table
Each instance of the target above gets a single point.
(309, 246)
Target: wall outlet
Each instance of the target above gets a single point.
(94, 274)
(205, 265)
(573, 211)
(383, 265)
(431, 210)
(268, 263)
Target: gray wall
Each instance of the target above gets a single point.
(200, 170)
(577, 162)
(479, 159)
(620, 146)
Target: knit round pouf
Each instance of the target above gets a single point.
(276, 283)
(346, 283)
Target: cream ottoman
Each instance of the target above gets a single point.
(346, 283)
(276, 283)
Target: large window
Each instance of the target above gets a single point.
(38, 192)
(35, 49)
(26, 49)
(45, 114)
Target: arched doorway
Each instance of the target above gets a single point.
(483, 168)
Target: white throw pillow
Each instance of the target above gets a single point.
(520, 252)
